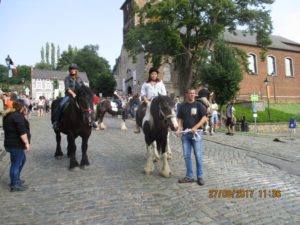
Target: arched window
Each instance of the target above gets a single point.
(252, 66)
(289, 71)
(271, 65)
(166, 72)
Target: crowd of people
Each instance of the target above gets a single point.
(197, 114)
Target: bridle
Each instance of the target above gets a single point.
(166, 117)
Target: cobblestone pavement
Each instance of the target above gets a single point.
(114, 190)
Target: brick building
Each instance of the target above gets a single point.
(281, 68)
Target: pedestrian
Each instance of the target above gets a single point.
(214, 115)
(41, 105)
(151, 89)
(191, 117)
(16, 142)
(72, 82)
(230, 118)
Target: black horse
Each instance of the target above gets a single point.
(155, 122)
(106, 106)
(75, 121)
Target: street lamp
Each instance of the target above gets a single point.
(9, 63)
(267, 91)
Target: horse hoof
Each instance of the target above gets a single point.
(58, 157)
(84, 167)
(166, 175)
(148, 172)
(73, 169)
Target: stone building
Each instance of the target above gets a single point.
(281, 68)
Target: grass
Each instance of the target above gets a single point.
(281, 112)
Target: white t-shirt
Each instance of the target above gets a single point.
(152, 90)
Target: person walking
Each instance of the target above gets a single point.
(230, 118)
(72, 82)
(16, 142)
(214, 116)
(151, 89)
(191, 116)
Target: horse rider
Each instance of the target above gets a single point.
(151, 89)
(72, 82)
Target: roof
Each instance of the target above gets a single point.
(278, 42)
(53, 74)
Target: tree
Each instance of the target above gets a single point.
(187, 29)
(57, 53)
(43, 66)
(66, 58)
(52, 56)
(47, 53)
(223, 72)
(42, 55)
(97, 69)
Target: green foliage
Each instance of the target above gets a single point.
(66, 58)
(43, 66)
(22, 76)
(97, 68)
(222, 72)
(47, 53)
(106, 85)
(186, 29)
(55, 84)
(52, 56)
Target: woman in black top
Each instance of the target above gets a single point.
(16, 142)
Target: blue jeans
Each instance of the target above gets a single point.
(17, 159)
(189, 141)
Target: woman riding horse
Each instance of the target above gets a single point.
(72, 81)
(75, 121)
(150, 89)
(74, 116)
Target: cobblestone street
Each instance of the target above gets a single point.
(114, 189)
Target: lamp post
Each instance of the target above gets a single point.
(267, 91)
(9, 63)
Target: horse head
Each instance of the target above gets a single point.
(163, 109)
(84, 101)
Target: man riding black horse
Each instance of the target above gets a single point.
(72, 82)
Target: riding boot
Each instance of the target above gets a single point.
(137, 129)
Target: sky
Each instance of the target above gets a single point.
(27, 25)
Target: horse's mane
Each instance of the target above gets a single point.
(84, 91)
(160, 101)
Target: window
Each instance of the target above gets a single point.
(289, 71)
(48, 84)
(271, 66)
(38, 84)
(167, 72)
(252, 64)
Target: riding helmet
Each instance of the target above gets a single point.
(73, 66)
